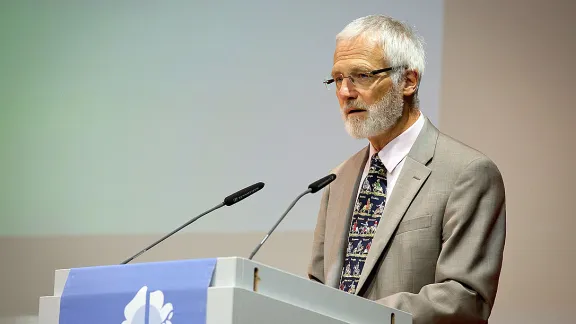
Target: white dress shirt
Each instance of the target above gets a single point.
(394, 154)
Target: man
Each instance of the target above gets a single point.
(415, 220)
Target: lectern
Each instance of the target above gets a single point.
(228, 290)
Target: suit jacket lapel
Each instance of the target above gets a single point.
(342, 197)
(413, 175)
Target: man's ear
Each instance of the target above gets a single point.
(410, 83)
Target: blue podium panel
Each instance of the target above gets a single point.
(146, 293)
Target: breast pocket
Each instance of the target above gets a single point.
(414, 224)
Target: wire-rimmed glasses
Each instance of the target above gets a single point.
(358, 79)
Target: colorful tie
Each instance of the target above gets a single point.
(365, 218)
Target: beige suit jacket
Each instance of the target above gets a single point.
(437, 252)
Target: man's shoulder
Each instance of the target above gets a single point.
(456, 148)
(453, 154)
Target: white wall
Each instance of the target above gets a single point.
(128, 118)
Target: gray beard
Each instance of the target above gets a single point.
(381, 116)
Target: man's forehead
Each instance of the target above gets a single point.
(357, 54)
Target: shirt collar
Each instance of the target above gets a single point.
(399, 147)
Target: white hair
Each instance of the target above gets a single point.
(399, 42)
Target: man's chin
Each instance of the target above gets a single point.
(356, 135)
(356, 130)
(359, 130)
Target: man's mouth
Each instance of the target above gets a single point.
(354, 111)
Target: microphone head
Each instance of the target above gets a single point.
(321, 183)
(242, 194)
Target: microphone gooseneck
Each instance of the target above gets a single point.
(172, 233)
(228, 201)
(312, 188)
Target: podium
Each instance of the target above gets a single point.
(235, 290)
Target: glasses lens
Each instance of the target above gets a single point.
(362, 79)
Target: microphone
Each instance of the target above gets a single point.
(312, 188)
(228, 201)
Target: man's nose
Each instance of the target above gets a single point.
(347, 89)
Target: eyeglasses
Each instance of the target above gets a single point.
(358, 79)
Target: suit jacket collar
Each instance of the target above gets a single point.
(423, 149)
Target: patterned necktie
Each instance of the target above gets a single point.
(365, 218)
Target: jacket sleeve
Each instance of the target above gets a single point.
(470, 260)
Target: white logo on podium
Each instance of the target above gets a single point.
(135, 311)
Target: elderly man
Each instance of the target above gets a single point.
(415, 220)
